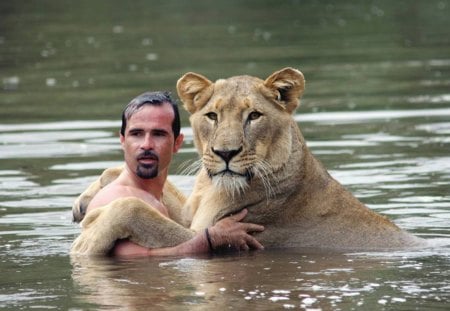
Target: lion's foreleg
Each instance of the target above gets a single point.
(96, 236)
(128, 218)
(149, 228)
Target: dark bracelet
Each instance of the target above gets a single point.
(208, 238)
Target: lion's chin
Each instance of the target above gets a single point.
(230, 184)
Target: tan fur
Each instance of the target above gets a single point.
(248, 123)
(294, 197)
(127, 218)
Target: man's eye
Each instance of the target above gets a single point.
(160, 134)
(211, 116)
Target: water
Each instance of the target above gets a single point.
(376, 112)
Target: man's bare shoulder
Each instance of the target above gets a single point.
(115, 191)
(108, 194)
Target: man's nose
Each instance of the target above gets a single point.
(147, 142)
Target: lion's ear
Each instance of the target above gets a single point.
(288, 84)
(194, 90)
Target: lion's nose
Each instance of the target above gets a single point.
(227, 155)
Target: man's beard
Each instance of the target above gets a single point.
(147, 171)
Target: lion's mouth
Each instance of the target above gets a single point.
(232, 183)
(248, 175)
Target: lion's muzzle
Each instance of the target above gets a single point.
(227, 155)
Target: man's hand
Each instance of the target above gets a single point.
(230, 232)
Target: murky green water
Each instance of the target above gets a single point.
(376, 112)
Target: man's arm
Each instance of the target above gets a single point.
(197, 244)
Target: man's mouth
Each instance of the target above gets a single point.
(147, 157)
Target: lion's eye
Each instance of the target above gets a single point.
(254, 115)
(211, 116)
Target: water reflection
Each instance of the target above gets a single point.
(266, 280)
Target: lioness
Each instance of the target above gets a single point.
(253, 156)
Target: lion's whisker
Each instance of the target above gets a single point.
(190, 167)
(232, 186)
(263, 171)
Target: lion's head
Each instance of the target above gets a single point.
(241, 124)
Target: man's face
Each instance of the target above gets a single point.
(149, 142)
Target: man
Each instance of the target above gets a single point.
(150, 135)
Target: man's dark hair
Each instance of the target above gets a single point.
(151, 98)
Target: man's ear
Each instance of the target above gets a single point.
(194, 91)
(287, 86)
(122, 139)
(178, 143)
